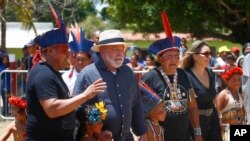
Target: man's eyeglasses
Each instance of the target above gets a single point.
(207, 54)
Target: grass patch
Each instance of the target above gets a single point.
(17, 51)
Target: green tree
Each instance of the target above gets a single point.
(24, 10)
(93, 23)
(29, 11)
(201, 17)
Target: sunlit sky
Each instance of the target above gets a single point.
(99, 6)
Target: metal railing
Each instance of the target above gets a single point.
(13, 82)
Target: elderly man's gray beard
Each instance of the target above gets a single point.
(112, 62)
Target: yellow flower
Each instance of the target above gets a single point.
(101, 107)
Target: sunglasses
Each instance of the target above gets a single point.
(207, 54)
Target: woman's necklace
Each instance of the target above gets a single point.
(237, 103)
(155, 134)
(172, 86)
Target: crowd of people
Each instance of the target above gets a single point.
(177, 97)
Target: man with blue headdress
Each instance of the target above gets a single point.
(172, 85)
(50, 110)
(80, 47)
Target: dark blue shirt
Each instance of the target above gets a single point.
(205, 95)
(122, 99)
(45, 83)
(210, 126)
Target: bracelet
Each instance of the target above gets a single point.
(197, 131)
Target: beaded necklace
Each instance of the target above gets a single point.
(172, 86)
(156, 135)
(237, 103)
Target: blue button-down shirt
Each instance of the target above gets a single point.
(122, 99)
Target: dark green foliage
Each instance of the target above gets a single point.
(201, 17)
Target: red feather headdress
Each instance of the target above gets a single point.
(230, 72)
(167, 27)
(18, 102)
(169, 43)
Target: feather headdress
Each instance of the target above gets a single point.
(96, 113)
(169, 43)
(78, 42)
(149, 98)
(55, 36)
(18, 102)
(230, 72)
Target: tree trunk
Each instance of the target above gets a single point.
(3, 28)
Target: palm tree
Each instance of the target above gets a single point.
(28, 11)
(24, 10)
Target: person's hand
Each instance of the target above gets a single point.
(143, 138)
(222, 127)
(105, 136)
(95, 88)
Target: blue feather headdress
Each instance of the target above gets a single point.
(149, 98)
(169, 43)
(55, 36)
(78, 42)
(162, 45)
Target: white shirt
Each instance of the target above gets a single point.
(231, 104)
(220, 61)
(246, 85)
(246, 65)
(70, 81)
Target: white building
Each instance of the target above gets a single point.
(17, 36)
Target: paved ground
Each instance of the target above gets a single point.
(3, 124)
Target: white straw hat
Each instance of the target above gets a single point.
(110, 37)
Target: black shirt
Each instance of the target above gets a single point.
(45, 83)
(205, 96)
(176, 125)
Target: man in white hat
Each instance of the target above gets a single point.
(122, 96)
